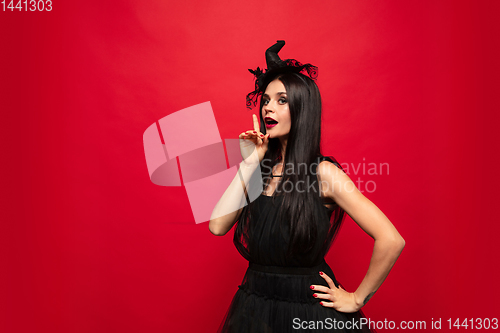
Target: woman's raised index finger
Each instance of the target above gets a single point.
(255, 123)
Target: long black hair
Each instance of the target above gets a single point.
(299, 168)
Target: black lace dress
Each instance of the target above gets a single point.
(275, 294)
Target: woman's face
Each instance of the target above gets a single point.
(275, 107)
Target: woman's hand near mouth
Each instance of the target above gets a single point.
(253, 144)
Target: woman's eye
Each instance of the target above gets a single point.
(282, 100)
(266, 102)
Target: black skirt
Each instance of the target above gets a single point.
(274, 299)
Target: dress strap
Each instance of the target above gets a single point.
(331, 159)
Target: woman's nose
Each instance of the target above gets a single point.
(268, 108)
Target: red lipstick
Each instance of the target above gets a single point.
(270, 122)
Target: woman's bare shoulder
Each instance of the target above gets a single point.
(328, 167)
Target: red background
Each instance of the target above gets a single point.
(89, 244)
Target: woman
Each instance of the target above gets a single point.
(286, 232)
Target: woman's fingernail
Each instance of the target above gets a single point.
(321, 303)
(314, 295)
(312, 287)
(320, 273)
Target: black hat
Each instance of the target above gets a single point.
(276, 66)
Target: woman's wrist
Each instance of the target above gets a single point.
(249, 165)
(358, 300)
(246, 170)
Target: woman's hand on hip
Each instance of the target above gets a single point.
(334, 297)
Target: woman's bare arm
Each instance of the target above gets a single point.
(253, 146)
(336, 185)
(227, 211)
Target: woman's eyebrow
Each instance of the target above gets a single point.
(278, 93)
